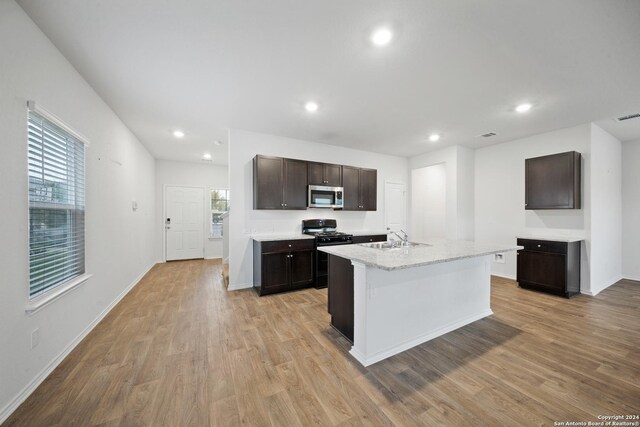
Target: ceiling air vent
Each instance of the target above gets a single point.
(627, 117)
(487, 135)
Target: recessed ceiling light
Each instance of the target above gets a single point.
(311, 107)
(178, 133)
(523, 108)
(381, 37)
(206, 156)
(434, 137)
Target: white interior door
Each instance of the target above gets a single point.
(184, 222)
(429, 202)
(395, 215)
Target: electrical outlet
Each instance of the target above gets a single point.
(498, 258)
(35, 338)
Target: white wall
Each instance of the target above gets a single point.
(631, 210)
(499, 195)
(119, 241)
(244, 221)
(466, 192)
(606, 210)
(459, 164)
(188, 174)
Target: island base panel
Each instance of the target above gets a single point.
(340, 290)
(399, 309)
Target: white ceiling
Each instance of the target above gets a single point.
(454, 67)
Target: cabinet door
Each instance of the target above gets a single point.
(333, 175)
(369, 189)
(275, 272)
(316, 173)
(267, 182)
(543, 269)
(351, 184)
(301, 268)
(295, 184)
(552, 182)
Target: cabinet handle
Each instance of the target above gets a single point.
(282, 204)
(285, 205)
(539, 246)
(289, 245)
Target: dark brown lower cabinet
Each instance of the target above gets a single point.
(284, 265)
(549, 266)
(340, 290)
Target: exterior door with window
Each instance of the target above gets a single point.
(184, 222)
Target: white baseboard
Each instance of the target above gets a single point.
(631, 277)
(233, 287)
(504, 276)
(381, 355)
(33, 385)
(212, 257)
(610, 282)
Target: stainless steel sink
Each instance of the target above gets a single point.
(391, 245)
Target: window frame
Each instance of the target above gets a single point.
(215, 211)
(39, 300)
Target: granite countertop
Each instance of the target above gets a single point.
(440, 250)
(282, 236)
(567, 239)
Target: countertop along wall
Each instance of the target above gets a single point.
(189, 174)
(244, 221)
(631, 210)
(119, 241)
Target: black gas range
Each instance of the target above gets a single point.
(326, 235)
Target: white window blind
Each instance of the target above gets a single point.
(56, 205)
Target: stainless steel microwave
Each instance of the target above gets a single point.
(321, 196)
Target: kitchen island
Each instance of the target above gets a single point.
(387, 300)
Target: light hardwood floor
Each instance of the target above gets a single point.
(181, 350)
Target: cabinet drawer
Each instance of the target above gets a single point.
(372, 238)
(288, 245)
(543, 246)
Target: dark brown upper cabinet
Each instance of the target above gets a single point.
(553, 182)
(279, 183)
(360, 188)
(325, 174)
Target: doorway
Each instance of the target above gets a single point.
(429, 202)
(395, 202)
(184, 222)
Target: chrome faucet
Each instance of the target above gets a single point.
(404, 238)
